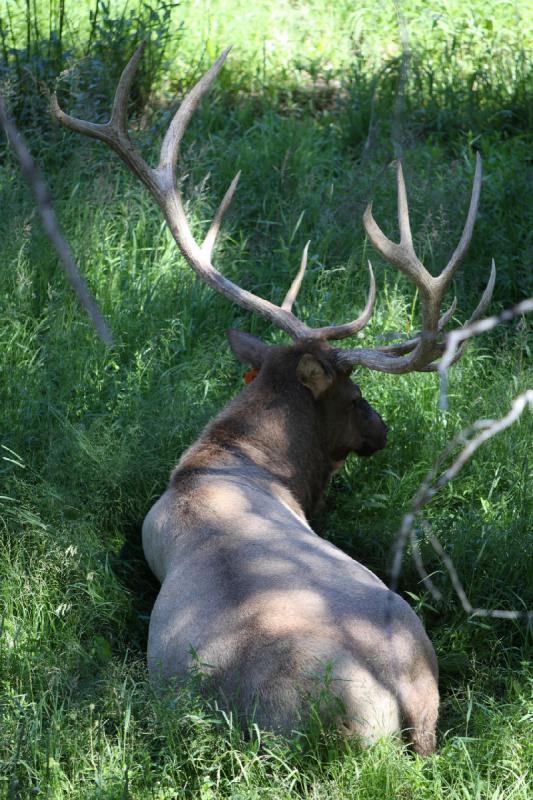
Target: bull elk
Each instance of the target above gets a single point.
(246, 585)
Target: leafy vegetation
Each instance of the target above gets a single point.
(308, 108)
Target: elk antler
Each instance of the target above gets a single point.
(416, 354)
(164, 187)
(419, 354)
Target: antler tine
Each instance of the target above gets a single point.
(162, 183)
(294, 288)
(405, 347)
(486, 297)
(404, 257)
(406, 240)
(119, 112)
(466, 237)
(374, 359)
(401, 255)
(349, 328)
(115, 132)
(171, 143)
(93, 129)
(418, 354)
(478, 312)
(212, 233)
(118, 122)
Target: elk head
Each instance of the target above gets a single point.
(310, 373)
(417, 354)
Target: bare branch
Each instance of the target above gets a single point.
(422, 571)
(36, 182)
(494, 613)
(452, 572)
(455, 338)
(485, 429)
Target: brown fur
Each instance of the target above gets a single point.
(266, 603)
(298, 439)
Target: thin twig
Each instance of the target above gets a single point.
(36, 182)
(495, 613)
(455, 338)
(485, 430)
(422, 571)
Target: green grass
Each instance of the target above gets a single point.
(305, 107)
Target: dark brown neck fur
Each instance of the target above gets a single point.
(275, 423)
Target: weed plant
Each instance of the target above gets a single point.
(308, 108)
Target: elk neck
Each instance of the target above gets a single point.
(274, 427)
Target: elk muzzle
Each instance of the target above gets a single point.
(375, 435)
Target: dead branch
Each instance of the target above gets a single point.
(36, 182)
(472, 438)
(454, 339)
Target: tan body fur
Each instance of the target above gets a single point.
(244, 580)
(266, 606)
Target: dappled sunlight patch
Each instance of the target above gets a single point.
(306, 114)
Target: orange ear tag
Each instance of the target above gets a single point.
(251, 375)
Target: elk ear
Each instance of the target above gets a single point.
(313, 374)
(246, 348)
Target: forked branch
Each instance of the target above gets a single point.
(455, 340)
(471, 438)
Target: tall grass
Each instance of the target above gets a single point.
(305, 107)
